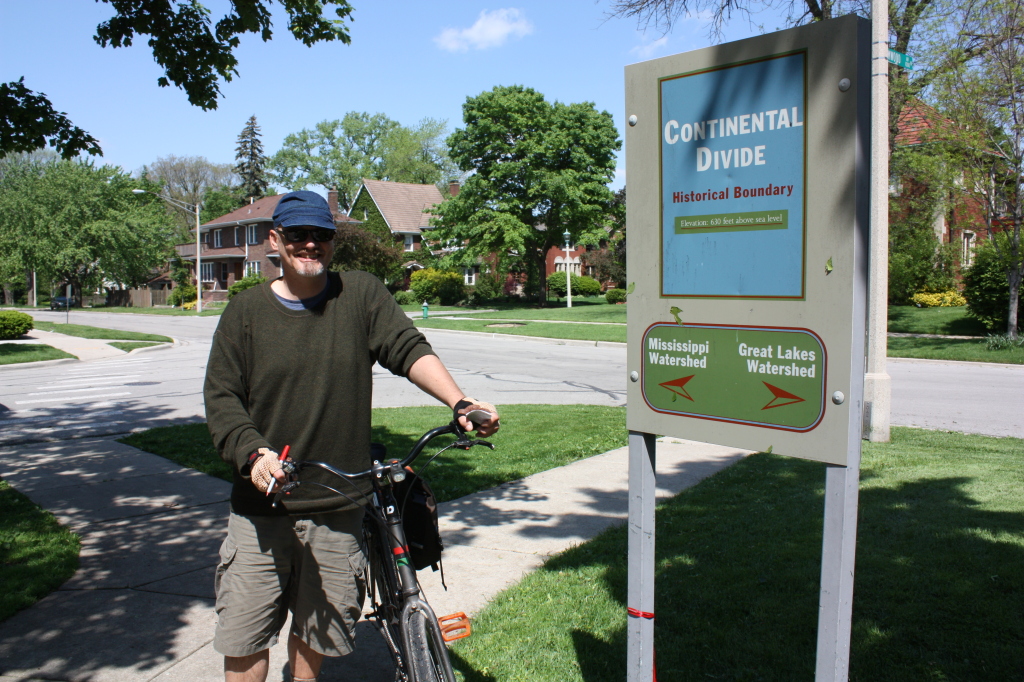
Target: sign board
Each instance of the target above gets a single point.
(904, 61)
(747, 168)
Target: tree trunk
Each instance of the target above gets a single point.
(1014, 277)
(8, 295)
(541, 258)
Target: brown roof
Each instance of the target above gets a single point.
(261, 210)
(919, 123)
(402, 203)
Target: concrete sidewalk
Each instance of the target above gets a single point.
(83, 349)
(140, 606)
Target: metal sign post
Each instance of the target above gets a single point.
(748, 219)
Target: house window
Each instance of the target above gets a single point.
(252, 267)
(207, 270)
(252, 234)
(218, 240)
(469, 275)
(236, 237)
(967, 257)
(204, 237)
(409, 242)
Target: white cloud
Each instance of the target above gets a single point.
(492, 29)
(647, 50)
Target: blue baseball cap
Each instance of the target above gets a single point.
(303, 209)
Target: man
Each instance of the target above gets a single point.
(291, 365)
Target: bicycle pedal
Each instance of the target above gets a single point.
(454, 626)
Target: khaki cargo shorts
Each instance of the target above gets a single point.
(312, 566)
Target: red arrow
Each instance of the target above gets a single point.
(676, 386)
(780, 395)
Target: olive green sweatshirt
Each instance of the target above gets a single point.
(281, 377)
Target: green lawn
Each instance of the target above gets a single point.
(533, 438)
(939, 581)
(907, 319)
(36, 553)
(128, 346)
(968, 350)
(550, 330)
(595, 312)
(14, 353)
(86, 332)
(208, 310)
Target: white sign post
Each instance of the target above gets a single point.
(748, 220)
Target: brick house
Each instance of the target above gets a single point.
(236, 245)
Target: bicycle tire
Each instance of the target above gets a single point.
(426, 651)
(383, 587)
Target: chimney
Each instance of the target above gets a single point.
(453, 188)
(332, 202)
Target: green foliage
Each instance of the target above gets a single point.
(615, 295)
(182, 294)
(437, 286)
(28, 120)
(218, 202)
(250, 162)
(405, 298)
(986, 290)
(340, 153)
(1003, 342)
(918, 262)
(73, 222)
(356, 248)
(581, 286)
(14, 324)
(533, 164)
(489, 286)
(243, 284)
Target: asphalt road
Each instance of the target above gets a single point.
(143, 390)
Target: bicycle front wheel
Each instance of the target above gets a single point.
(425, 650)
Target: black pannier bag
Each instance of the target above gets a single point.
(418, 506)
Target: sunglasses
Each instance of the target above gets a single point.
(303, 235)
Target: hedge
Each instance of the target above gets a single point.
(14, 324)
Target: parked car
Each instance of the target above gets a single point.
(61, 302)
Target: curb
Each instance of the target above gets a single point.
(537, 339)
(38, 363)
(954, 362)
(161, 345)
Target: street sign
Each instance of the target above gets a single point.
(904, 61)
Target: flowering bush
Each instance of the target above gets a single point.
(946, 299)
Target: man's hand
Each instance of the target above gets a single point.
(267, 469)
(483, 429)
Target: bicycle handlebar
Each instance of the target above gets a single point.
(451, 428)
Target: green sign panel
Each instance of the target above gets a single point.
(758, 376)
(904, 61)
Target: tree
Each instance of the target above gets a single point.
(194, 54)
(357, 249)
(538, 169)
(339, 154)
(189, 179)
(250, 163)
(80, 224)
(609, 263)
(984, 96)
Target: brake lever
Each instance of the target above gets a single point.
(467, 444)
(284, 490)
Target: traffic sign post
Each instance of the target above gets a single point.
(748, 220)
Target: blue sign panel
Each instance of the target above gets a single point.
(732, 180)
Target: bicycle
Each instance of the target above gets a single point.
(414, 635)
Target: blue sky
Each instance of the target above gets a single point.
(408, 60)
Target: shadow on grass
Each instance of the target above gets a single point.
(939, 579)
(953, 321)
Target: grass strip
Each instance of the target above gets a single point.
(128, 346)
(533, 438)
(86, 332)
(939, 576)
(548, 330)
(580, 312)
(37, 554)
(966, 350)
(208, 310)
(908, 319)
(15, 353)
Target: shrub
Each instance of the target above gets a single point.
(581, 286)
(405, 298)
(243, 284)
(488, 287)
(14, 324)
(615, 295)
(437, 286)
(189, 305)
(988, 292)
(180, 294)
(1003, 342)
(947, 299)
